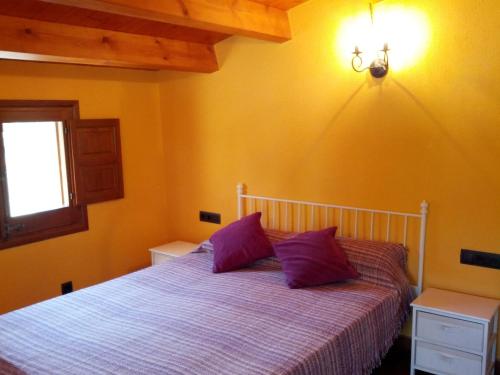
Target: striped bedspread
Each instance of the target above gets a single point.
(180, 318)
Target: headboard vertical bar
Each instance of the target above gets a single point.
(298, 219)
(405, 231)
(240, 190)
(265, 212)
(254, 205)
(326, 217)
(312, 218)
(261, 209)
(286, 216)
(274, 214)
(341, 224)
(356, 224)
(388, 231)
(372, 218)
(424, 209)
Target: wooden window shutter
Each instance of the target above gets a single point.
(96, 160)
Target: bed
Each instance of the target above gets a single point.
(180, 318)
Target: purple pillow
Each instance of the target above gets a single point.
(240, 244)
(313, 258)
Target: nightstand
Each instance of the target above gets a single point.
(454, 333)
(171, 250)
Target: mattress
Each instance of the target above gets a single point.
(180, 318)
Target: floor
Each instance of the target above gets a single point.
(396, 362)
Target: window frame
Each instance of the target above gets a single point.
(47, 224)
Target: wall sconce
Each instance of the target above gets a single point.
(379, 66)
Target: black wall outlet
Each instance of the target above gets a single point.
(67, 287)
(480, 258)
(210, 217)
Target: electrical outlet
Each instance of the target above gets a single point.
(67, 287)
(210, 217)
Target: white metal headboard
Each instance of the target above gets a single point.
(279, 214)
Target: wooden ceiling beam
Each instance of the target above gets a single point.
(27, 39)
(240, 17)
(48, 12)
(281, 4)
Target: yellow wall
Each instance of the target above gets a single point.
(294, 120)
(120, 231)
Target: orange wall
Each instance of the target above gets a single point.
(120, 231)
(293, 120)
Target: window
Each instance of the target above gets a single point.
(35, 167)
(52, 164)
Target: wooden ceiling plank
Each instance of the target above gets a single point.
(240, 17)
(49, 12)
(32, 40)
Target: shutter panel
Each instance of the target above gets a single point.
(96, 160)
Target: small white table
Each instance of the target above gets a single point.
(454, 333)
(171, 250)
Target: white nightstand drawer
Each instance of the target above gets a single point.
(455, 332)
(446, 361)
(159, 258)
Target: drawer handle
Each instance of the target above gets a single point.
(447, 327)
(448, 357)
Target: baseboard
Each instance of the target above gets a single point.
(403, 345)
